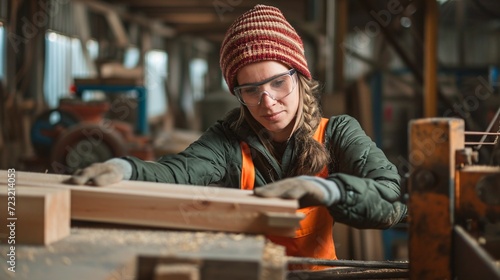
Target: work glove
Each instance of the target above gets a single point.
(101, 174)
(309, 190)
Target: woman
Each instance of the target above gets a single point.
(278, 143)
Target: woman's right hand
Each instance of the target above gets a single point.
(102, 174)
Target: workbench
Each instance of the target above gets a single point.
(113, 253)
(127, 253)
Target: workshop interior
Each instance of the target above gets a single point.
(84, 81)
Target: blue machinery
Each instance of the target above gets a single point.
(142, 119)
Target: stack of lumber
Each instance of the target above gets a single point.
(168, 205)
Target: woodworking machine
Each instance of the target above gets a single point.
(77, 134)
(454, 203)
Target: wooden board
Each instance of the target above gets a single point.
(34, 215)
(174, 206)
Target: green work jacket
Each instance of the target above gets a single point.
(369, 183)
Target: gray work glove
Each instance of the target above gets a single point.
(101, 174)
(309, 190)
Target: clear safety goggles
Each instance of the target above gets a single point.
(277, 88)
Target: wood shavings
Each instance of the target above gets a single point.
(274, 254)
(238, 237)
(273, 262)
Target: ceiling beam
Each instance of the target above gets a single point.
(199, 3)
(291, 8)
(105, 8)
(190, 18)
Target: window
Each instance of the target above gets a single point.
(64, 61)
(79, 67)
(156, 74)
(131, 58)
(198, 70)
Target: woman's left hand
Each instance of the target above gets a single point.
(308, 192)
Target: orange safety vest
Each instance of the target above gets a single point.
(314, 237)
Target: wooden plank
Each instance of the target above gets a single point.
(37, 215)
(56, 180)
(173, 206)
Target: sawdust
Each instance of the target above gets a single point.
(273, 261)
(173, 241)
(83, 242)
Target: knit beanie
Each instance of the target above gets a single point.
(261, 34)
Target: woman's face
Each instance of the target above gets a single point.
(276, 116)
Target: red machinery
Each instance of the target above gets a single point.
(77, 134)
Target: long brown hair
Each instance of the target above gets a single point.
(311, 155)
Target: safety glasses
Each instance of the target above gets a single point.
(277, 88)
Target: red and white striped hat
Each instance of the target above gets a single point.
(260, 34)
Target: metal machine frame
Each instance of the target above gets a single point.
(454, 207)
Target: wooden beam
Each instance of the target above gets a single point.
(34, 215)
(331, 24)
(342, 25)
(295, 9)
(174, 206)
(189, 18)
(394, 43)
(104, 8)
(194, 4)
(203, 29)
(169, 3)
(430, 59)
(118, 29)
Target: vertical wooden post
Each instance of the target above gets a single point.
(433, 143)
(331, 21)
(430, 58)
(336, 29)
(340, 36)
